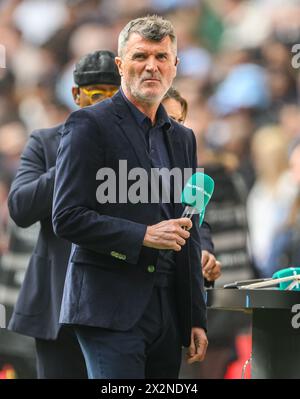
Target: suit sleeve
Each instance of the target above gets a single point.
(77, 216)
(207, 245)
(30, 197)
(199, 318)
(206, 239)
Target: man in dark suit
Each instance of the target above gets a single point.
(131, 307)
(30, 200)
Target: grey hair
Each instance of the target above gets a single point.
(152, 27)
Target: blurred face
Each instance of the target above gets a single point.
(295, 164)
(174, 109)
(269, 160)
(92, 94)
(147, 68)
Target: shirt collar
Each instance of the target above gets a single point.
(162, 118)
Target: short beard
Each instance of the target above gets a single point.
(147, 99)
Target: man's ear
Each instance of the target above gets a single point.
(119, 63)
(76, 95)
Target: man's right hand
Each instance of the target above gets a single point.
(169, 234)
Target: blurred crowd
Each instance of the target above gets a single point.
(241, 79)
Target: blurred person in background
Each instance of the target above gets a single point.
(12, 141)
(276, 55)
(175, 105)
(272, 194)
(195, 60)
(8, 103)
(239, 17)
(227, 140)
(284, 16)
(36, 312)
(238, 105)
(285, 248)
(282, 84)
(289, 119)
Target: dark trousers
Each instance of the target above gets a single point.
(60, 358)
(151, 349)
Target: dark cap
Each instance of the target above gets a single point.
(97, 68)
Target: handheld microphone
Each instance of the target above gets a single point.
(196, 195)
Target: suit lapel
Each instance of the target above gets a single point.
(59, 133)
(131, 131)
(51, 146)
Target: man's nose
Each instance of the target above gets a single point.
(151, 65)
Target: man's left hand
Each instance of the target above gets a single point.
(198, 346)
(211, 268)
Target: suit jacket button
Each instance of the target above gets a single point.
(151, 268)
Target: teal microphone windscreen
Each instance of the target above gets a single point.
(198, 191)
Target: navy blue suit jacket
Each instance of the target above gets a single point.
(109, 281)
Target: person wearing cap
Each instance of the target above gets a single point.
(36, 312)
(96, 78)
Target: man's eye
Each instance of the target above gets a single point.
(97, 96)
(139, 57)
(162, 56)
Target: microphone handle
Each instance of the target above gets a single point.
(188, 212)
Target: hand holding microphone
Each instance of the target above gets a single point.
(169, 234)
(172, 234)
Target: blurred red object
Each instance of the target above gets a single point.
(7, 372)
(243, 344)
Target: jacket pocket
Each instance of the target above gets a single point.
(85, 256)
